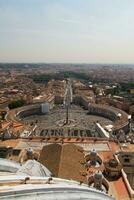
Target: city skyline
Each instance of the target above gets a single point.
(66, 31)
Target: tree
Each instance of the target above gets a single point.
(16, 103)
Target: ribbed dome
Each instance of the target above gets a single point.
(93, 152)
(113, 163)
(98, 176)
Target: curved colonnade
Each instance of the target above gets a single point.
(119, 117)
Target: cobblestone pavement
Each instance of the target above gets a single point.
(82, 120)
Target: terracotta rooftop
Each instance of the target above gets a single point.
(64, 161)
(64, 158)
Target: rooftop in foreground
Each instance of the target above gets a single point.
(69, 159)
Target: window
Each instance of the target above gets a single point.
(127, 160)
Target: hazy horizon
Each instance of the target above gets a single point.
(66, 31)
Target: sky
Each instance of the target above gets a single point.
(70, 31)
